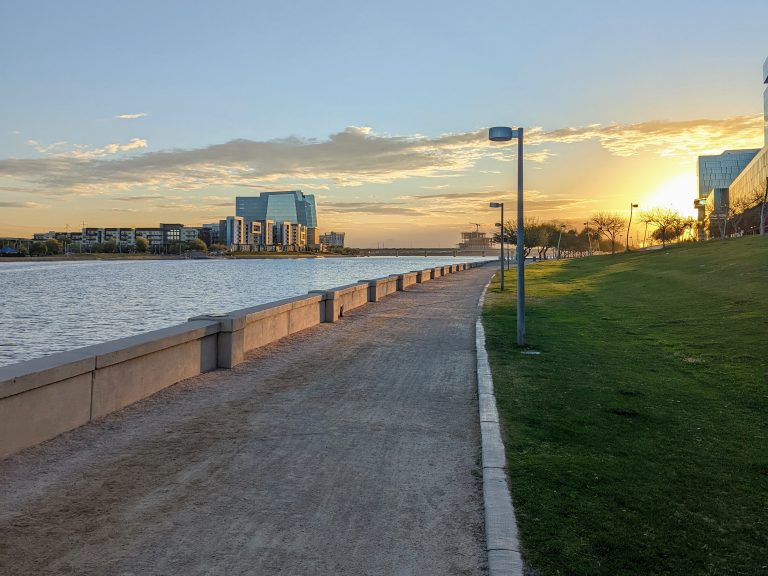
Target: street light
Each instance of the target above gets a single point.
(501, 236)
(629, 225)
(558, 240)
(503, 134)
(589, 238)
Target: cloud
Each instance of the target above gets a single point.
(349, 158)
(378, 208)
(132, 116)
(84, 152)
(664, 138)
(137, 198)
(352, 157)
(20, 205)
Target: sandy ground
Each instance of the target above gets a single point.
(351, 448)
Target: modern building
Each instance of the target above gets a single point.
(292, 206)
(232, 231)
(732, 185)
(332, 239)
(716, 174)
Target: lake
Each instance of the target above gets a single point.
(51, 307)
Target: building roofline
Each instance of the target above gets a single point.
(765, 71)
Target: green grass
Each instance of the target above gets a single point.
(637, 441)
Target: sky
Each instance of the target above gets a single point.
(135, 113)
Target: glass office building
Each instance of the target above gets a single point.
(731, 182)
(291, 206)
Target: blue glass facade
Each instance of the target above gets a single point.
(291, 206)
(733, 181)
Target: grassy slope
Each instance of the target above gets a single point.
(638, 439)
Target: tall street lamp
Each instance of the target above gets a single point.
(589, 238)
(501, 237)
(558, 240)
(631, 206)
(504, 134)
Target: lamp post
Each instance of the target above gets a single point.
(589, 238)
(501, 237)
(558, 240)
(631, 206)
(504, 134)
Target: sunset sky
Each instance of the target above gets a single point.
(135, 113)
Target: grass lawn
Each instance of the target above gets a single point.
(637, 441)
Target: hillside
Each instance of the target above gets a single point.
(638, 438)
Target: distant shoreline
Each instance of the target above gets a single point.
(103, 257)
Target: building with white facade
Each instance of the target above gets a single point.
(332, 239)
(232, 232)
(733, 186)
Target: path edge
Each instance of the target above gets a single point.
(501, 539)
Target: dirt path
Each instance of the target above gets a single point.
(346, 449)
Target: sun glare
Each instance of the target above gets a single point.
(676, 193)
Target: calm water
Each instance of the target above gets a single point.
(50, 307)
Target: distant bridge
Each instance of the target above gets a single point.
(425, 252)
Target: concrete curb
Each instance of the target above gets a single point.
(501, 539)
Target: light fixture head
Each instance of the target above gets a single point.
(496, 205)
(501, 133)
(634, 205)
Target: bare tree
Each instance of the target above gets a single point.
(645, 218)
(669, 224)
(609, 225)
(759, 197)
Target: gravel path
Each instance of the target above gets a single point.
(346, 449)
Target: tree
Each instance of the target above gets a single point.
(141, 244)
(219, 248)
(669, 225)
(763, 201)
(198, 245)
(645, 218)
(53, 246)
(109, 246)
(609, 225)
(38, 249)
(574, 243)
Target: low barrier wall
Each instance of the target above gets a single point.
(44, 397)
(381, 287)
(343, 299)
(244, 330)
(405, 280)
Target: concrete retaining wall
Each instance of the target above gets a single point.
(243, 330)
(405, 280)
(42, 398)
(343, 299)
(381, 287)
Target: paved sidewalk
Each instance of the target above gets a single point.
(351, 448)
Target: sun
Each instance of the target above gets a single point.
(676, 193)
